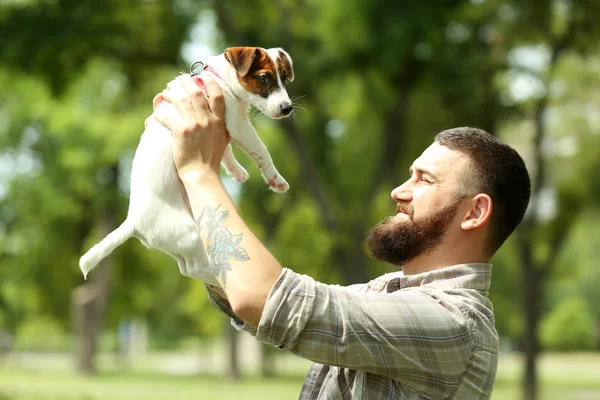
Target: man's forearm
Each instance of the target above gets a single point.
(219, 300)
(244, 268)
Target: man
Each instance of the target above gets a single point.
(425, 332)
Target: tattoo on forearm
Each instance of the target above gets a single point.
(222, 304)
(221, 245)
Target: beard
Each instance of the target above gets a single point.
(398, 241)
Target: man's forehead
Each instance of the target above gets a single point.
(439, 160)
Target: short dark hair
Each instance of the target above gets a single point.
(497, 170)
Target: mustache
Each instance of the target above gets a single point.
(404, 208)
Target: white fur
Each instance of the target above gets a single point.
(159, 214)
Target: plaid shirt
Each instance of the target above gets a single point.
(428, 335)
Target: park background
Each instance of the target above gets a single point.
(375, 81)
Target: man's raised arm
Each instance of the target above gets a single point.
(243, 266)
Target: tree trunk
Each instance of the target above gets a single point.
(534, 272)
(532, 284)
(351, 260)
(266, 361)
(234, 364)
(88, 307)
(89, 301)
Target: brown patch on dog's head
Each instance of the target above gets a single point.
(256, 70)
(284, 65)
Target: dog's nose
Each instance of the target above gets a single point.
(286, 108)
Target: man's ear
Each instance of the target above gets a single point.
(479, 213)
(241, 58)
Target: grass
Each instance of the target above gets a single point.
(22, 385)
(561, 377)
(568, 376)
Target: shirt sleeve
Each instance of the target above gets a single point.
(409, 334)
(240, 325)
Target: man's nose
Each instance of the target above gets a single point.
(402, 193)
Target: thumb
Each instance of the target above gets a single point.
(157, 100)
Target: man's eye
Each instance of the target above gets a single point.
(262, 79)
(425, 180)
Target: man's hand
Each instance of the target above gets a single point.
(200, 135)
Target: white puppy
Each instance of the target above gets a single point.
(159, 214)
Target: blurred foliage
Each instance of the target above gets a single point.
(41, 334)
(73, 105)
(375, 81)
(569, 327)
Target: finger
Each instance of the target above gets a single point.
(216, 101)
(195, 88)
(167, 119)
(157, 100)
(177, 96)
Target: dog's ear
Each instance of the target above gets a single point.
(286, 62)
(241, 58)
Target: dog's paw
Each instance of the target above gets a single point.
(239, 174)
(278, 184)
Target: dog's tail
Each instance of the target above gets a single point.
(97, 253)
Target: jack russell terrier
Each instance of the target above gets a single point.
(159, 215)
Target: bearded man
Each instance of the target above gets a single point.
(425, 332)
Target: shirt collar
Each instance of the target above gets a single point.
(476, 276)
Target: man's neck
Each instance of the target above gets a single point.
(441, 258)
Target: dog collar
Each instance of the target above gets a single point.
(198, 66)
(196, 69)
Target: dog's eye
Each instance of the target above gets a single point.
(285, 79)
(263, 79)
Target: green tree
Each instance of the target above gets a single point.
(76, 90)
(569, 327)
(559, 29)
